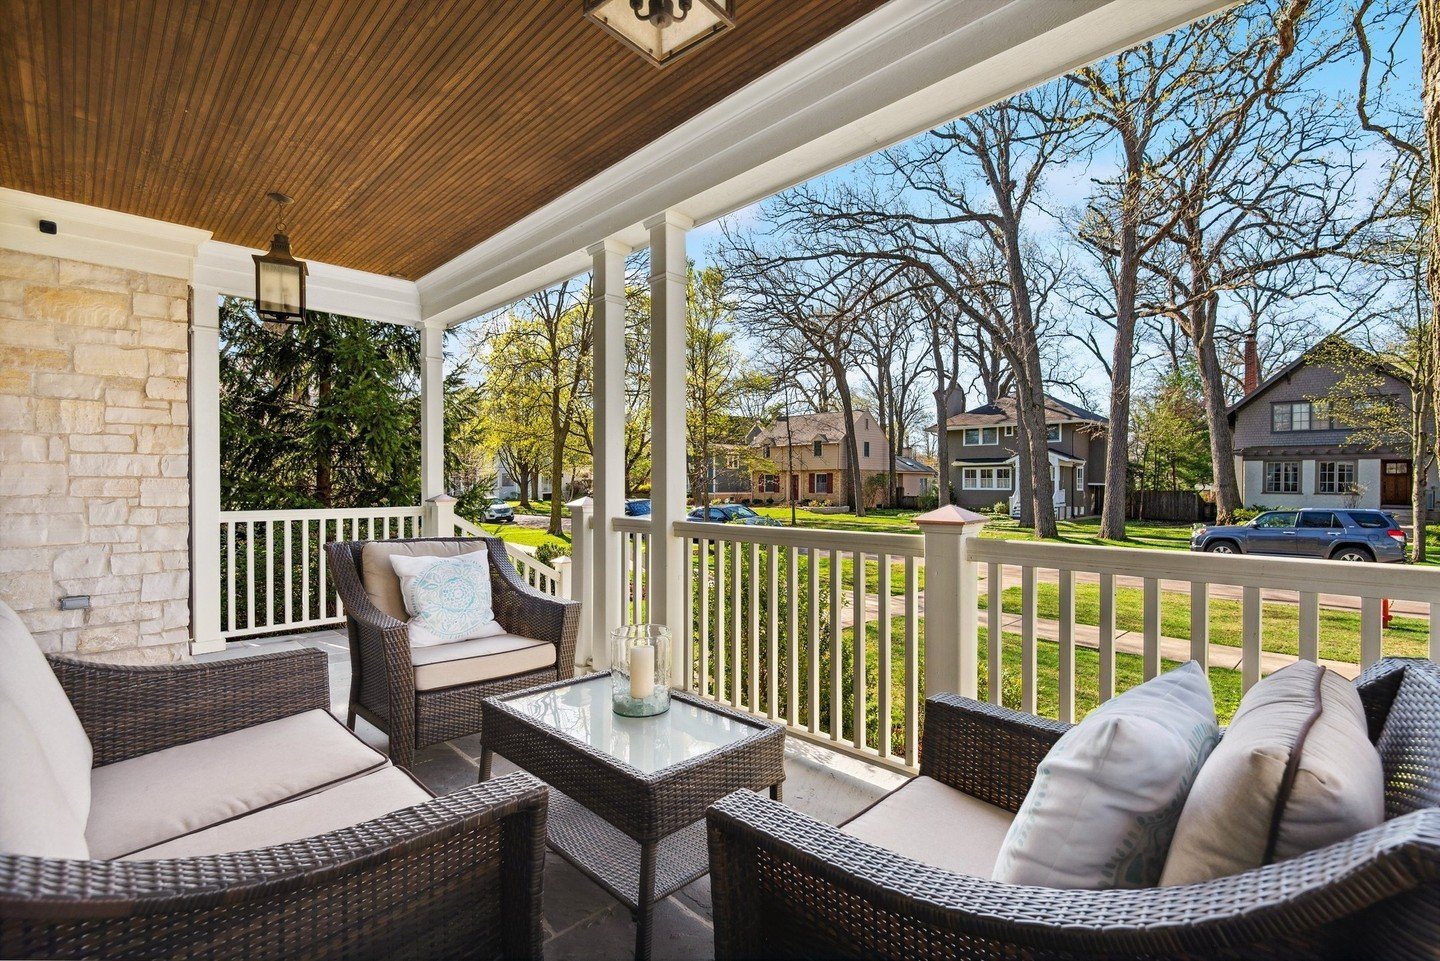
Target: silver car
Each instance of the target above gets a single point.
(1340, 534)
(497, 511)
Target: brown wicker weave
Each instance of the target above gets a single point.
(786, 886)
(457, 877)
(382, 680)
(638, 835)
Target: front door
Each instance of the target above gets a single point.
(1395, 482)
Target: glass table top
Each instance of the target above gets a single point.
(648, 744)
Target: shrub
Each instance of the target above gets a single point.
(1000, 507)
(548, 552)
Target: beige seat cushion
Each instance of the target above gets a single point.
(36, 818)
(382, 586)
(28, 683)
(1296, 764)
(348, 803)
(937, 825)
(481, 659)
(156, 797)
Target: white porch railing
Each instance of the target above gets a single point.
(273, 567)
(547, 579)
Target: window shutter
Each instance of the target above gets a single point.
(810, 479)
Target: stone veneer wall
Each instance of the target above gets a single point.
(94, 456)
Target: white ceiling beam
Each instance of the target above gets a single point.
(908, 67)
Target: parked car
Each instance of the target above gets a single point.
(637, 507)
(732, 514)
(1342, 535)
(497, 511)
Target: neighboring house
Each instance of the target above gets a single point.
(808, 456)
(983, 465)
(1289, 452)
(727, 475)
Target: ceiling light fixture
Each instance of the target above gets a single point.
(279, 277)
(662, 29)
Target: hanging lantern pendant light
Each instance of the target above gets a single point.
(662, 29)
(279, 277)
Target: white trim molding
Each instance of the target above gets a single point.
(95, 235)
(907, 67)
(230, 269)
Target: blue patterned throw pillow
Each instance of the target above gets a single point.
(448, 598)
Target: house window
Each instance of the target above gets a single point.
(732, 461)
(765, 451)
(1334, 477)
(985, 478)
(1008, 431)
(822, 483)
(1282, 477)
(976, 436)
(816, 448)
(1052, 432)
(867, 449)
(1300, 415)
(769, 483)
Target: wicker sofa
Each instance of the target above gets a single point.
(218, 810)
(786, 886)
(422, 696)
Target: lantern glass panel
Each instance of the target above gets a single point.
(279, 291)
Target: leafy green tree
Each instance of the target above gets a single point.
(323, 413)
(1169, 443)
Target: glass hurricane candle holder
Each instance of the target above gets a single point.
(640, 670)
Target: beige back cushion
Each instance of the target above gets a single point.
(378, 576)
(27, 682)
(1303, 717)
(36, 817)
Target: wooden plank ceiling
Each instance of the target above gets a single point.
(407, 132)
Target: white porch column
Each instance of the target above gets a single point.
(432, 410)
(607, 292)
(205, 471)
(582, 581)
(667, 431)
(952, 601)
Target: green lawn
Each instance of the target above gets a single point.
(526, 536)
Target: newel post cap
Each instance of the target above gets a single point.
(952, 518)
(442, 499)
(581, 503)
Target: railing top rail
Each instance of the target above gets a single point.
(817, 538)
(628, 523)
(526, 556)
(324, 513)
(1393, 581)
(469, 529)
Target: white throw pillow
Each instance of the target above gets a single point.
(1295, 772)
(1105, 800)
(448, 598)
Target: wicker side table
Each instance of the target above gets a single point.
(629, 794)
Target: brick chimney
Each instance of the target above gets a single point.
(1252, 364)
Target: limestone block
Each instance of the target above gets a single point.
(167, 286)
(175, 465)
(48, 504)
(140, 562)
(142, 515)
(167, 652)
(32, 358)
(164, 492)
(69, 416)
(109, 511)
(101, 336)
(152, 305)
(137, 415)
(23, 332)
(23, 480)
(42, 530)
(166, 388)
(113, 535)
(74, 386)
(28, 590)
(163, 334)
(111, 361)
(173, 515)
(78, 307)
(168, 586)
(180, 414)
(80, 562)
(162, 537)
(103, 443)
(74, 273)
(14, 559)
(170, 363)
(21, 266)
(105, 487)
(114, 465)
(16, 382)
(161, 439)
(110, 637)
(12, 291)
(18, 448)
(128, 395)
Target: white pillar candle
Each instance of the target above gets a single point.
(642, 671)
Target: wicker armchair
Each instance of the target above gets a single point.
(458, 876)
(786, 886)
(382, 676)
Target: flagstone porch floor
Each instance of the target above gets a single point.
(581, 920)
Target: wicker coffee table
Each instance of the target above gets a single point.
(629, 794)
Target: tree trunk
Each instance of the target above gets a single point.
(1024, 469)
(1222, 442)
(852, 444)
(524, 479)
(1117, 438)
(1430, 85)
